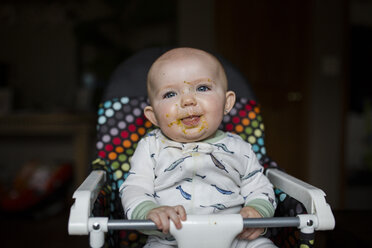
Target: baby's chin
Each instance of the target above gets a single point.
(190, 136)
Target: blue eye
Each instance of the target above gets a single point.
(203, 88)
(169, 94)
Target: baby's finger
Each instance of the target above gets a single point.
(181, 212)
(245, 234)
(173, 215)
(256, 234)
(156, 219)
(250, 233)
(164, 222)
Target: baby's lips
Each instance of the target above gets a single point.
(191, 121)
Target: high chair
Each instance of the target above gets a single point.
(97, 209)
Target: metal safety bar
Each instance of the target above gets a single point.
(247, 223)
(271, 222)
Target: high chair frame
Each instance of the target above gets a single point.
(320, 215)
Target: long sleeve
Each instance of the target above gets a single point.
(139, 185)
(256, 188)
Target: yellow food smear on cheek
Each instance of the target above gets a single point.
(182, 126)
(204, 125)
(176, 122)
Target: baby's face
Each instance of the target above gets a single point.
(188, 98)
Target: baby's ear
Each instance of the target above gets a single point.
(230, 101)
(150, 115)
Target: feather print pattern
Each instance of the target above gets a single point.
(175, 147)
(222, 191)
(176, 163)
(218, 206)
(217, 163)
(153, 195)
(184, 194)
(202, 177)
(223, 147)
(271, 200)
(251, 174)
(196, 149)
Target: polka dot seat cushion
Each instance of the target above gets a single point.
(121, 124)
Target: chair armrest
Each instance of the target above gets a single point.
(85, 196)
(311, 197)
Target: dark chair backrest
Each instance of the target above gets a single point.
(129, 79)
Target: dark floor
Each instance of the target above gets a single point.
(44, 232)
(353, 229)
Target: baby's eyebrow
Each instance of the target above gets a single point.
(166, 88)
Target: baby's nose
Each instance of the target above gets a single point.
(188, 100)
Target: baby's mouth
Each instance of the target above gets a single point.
(191, 121)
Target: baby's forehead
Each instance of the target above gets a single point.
(189, 65)
(178, 62)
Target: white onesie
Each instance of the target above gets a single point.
(219, 175)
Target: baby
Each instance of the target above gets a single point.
(188, 166)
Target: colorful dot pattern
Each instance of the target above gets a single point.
(289, 237)
(245, 120)
(120, 126)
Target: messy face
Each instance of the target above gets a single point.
(188, 97)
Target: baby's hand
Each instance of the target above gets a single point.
(250, 233)
(161, 215)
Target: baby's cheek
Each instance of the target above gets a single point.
(215, 118)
